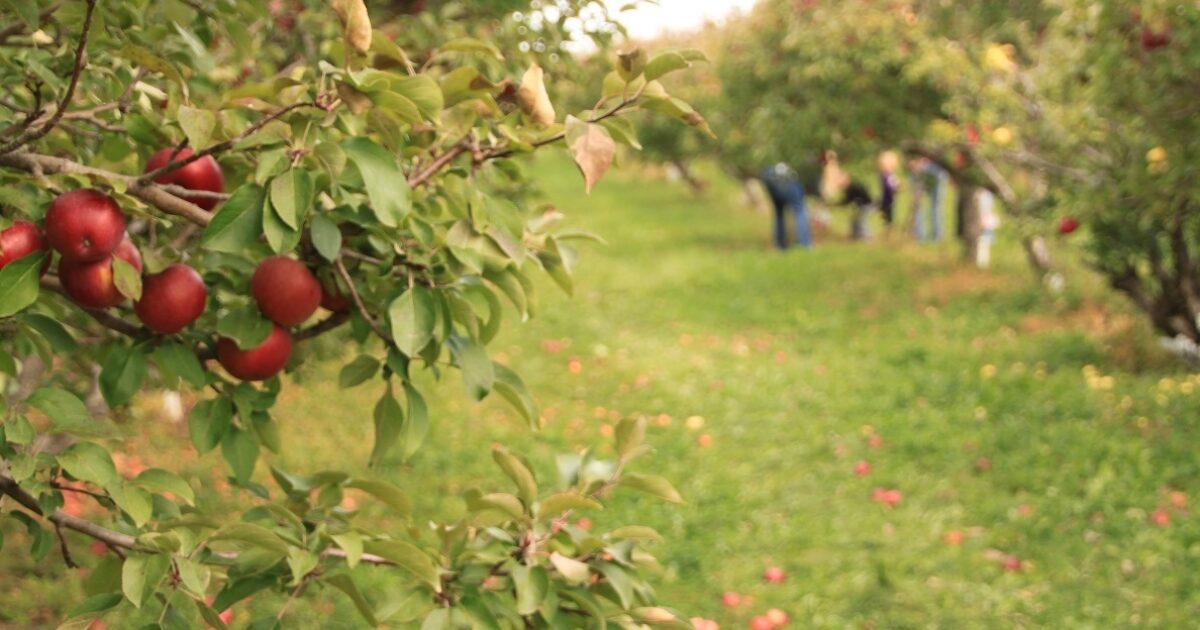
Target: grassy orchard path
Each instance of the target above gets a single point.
(975, 389)
(1014, 426)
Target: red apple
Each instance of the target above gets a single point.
(203, 174)
(171, 299)
(774, 575)
(93, 284)
(21, 239)
(1011, 564)
(260, 362)
(777, 617)
(84, 225)
(1067, 225)
(862, 468)
(286, 291)
(972, 134)
(731, 600)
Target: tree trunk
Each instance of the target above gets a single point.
(972, 227)
(697, 185)
(753, 194)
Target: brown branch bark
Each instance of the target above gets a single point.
(358, 301)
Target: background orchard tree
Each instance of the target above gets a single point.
(192, 193)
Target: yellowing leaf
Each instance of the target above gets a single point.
(593, 149)
(353, 14)
(533, 98)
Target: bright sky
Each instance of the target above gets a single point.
(674, 15)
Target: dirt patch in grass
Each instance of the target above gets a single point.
(961, 282)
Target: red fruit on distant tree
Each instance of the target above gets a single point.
(774, 575)
(203, 174)
(84, 225)
(1011, 564)
(862, 468)
(21, 239)
(171, 299)
(1155, 38)
(731, 600)
(1067, 225)
(1161, 517)
(94, 284)
(260, 362)
(972, 134)
(286, 291)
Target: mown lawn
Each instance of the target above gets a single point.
(1041, 449)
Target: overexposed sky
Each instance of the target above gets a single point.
(674, 15)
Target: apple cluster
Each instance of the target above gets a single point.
(87, 229)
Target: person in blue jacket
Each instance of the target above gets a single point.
(787, 192)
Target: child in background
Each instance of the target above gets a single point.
(989, 222)
(889, 185)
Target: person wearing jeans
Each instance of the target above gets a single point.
(786, 191)
(927, 179)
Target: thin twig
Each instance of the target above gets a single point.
(358, 302)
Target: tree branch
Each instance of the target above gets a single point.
(358, 302)
(149, 192)
(230, 143)
(16, 28)
(30, 136)
(104, 318)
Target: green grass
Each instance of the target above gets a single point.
(989, 396)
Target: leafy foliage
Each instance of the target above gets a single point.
(382, 150)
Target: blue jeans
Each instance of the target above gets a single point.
(934, 214)
(792, 196)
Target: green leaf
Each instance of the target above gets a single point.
(573, 571)
(19, 284)
(345, 584)
(18, 430)
(501, 502)
(556, 504)
(237, 223)
(651, 484)
(358, 371)
(246, 326)
(210, 615)
(64, 409)
(352, 544)
(520, 474)
(163, 481)
(89, 462)
(326, 237)
(301, 562)
(416, 426)
(635, 532)
(54, 332)
(389, 422)
(127, 278)
(630, 433)
(532, 584)
(387, 187)
(423, 90)
(409, 558)
(135, 502)
(176, 361)
(389, 494)
(141, 574)
(26, 10)
(281, 237)
(208, 423)
(478, 372)
(122, 374)
(510, 386)
(91, 606)
(238, 589)
(240, 449)
(292, 196)
(412, 317)
(671, 61)
(197, 125)
(252, 536)
(472, 45)
(620, 582)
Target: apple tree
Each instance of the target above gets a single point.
(191, 193)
